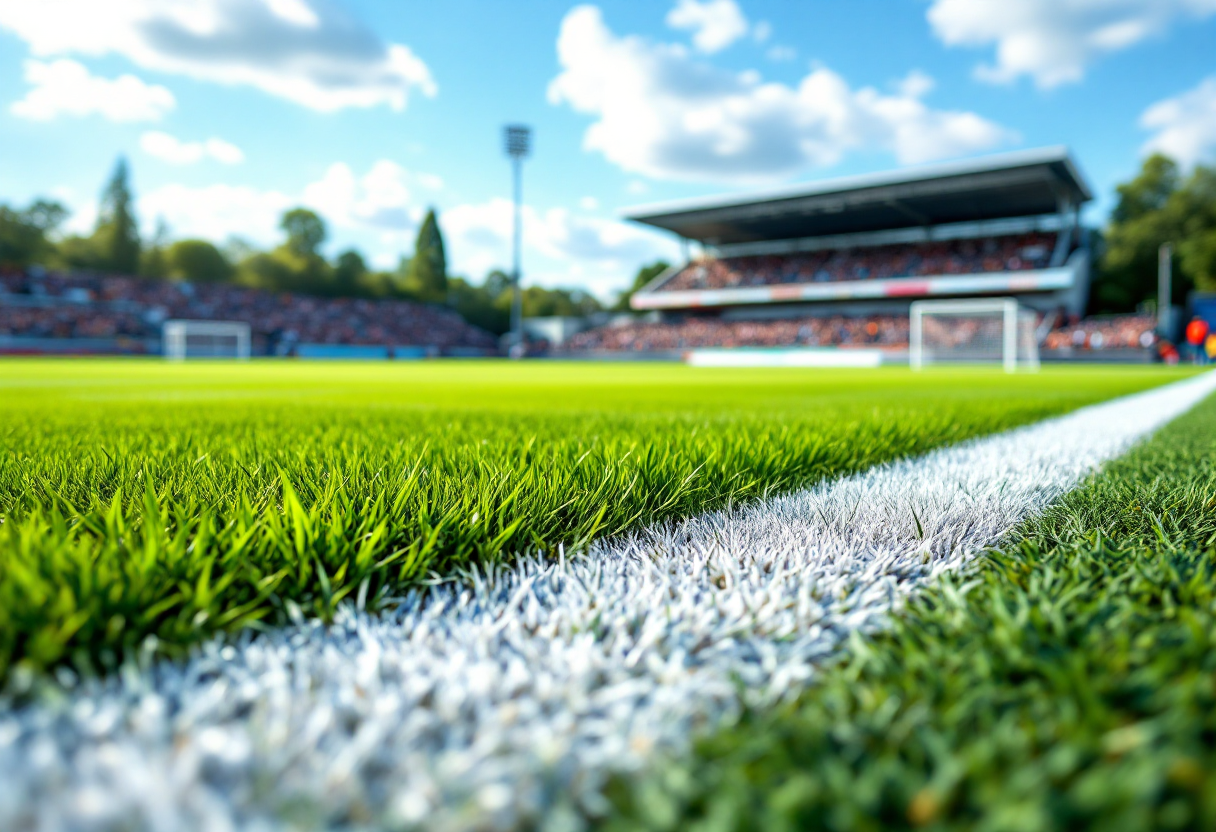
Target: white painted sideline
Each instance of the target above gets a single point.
(489, 705)
(782, 357)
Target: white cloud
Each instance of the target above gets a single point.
(430, 181)
(915, 84)
(1185, 125)
(216, 212)
(65, 88)
(589, 203)
(662, 113)
(308, 51)
(380, 199)
(560, 248)
(376, 206)
(173, 150)
(715, 24)
(762, 31)
(1053, 41)
(781, 53)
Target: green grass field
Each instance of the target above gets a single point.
(146, 499)
(1068, 682)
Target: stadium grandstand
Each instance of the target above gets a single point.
(839, 262)
(43, 312)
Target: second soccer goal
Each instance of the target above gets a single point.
(206, 339)
(986, 330)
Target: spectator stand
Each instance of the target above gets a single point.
(48, 312)
(1005, 225)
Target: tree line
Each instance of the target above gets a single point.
(1160, 204)
(31, 236)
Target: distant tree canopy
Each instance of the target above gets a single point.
(30, 236)
(428, 269)
(1158, 206)
(645, 275)
(197, 261)
(24, 234)
(116, 238)
(489, 305)
(305, 232)
(350, 268)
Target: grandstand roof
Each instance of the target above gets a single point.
(1023, 183)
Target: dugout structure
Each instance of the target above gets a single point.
(184, 339)
(873, 244)
(981, 330)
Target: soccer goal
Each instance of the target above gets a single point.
(205, 339)
(994, 330)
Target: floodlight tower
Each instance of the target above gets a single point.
(517, 140)
(1164, 291)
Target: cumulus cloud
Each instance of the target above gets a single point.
(378, 202)
(66, 88)
(173, 150)
(597, 253)
(380, 199)
(715, 24)
(662, 113)
(1053, 41)
(216, 212)
(1185, 125)
(307, 51)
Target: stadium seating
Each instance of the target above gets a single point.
(882, 331)
(1015, 252)
(696, 332)
(58, 306)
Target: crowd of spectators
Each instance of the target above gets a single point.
(59, 306)
(1016, 252)
(1106, 333)
(882, 331)
(887, 331)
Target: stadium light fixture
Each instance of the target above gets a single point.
(517, 141)
(1164, 290)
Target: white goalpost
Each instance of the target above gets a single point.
(995, 330)
(205, 339)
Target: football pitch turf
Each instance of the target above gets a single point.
(147, 507)
(148, 499)
(1067, 681)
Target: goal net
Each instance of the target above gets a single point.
(205, 339)
(993, 330)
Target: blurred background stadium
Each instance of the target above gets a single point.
(831, 261)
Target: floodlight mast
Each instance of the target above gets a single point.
(517, 140)
(1164, 292)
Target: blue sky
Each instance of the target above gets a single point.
(370, 111)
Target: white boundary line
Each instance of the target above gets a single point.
(510, 699)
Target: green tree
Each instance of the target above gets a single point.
(1158, 206)
(46, 215)
(539, 302)
(154, 261)
(198, 261)
(1196, 214)
(116, 238)
(297, 265)
(350, 271)
(428, 275)
(645, 275)
(24, 234)
(305, 232)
